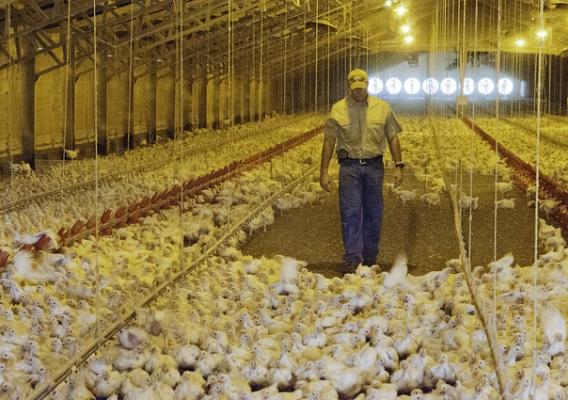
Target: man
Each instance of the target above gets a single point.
(361, 125)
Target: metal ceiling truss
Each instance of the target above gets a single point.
(152, 30)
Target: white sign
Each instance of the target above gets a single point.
(393, 85)
(485, 86)
(375, 86)
(412, 86)
(448, 86)
(430, 86)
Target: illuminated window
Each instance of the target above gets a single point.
(375, 86)
(430, 86)
(412, 86)
(468, 86)
(448, 86)
(505, 86)
(393, 85)
(485, 86)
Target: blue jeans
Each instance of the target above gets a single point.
(361, 207)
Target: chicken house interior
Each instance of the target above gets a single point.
(170, 228)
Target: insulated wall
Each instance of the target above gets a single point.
(49, 107)
(10, 115)
(141, 104)
(117, 107)
(85, 109)
(165, 96)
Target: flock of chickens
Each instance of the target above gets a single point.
(519, 136)
(244, 328)
(463, 153)
(145, 171)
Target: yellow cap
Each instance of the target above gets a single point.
(358, 79)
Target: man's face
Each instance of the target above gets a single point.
(359, 94)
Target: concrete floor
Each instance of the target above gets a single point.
(427, 235)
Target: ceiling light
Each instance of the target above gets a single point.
(388, 3)
(405, 28)
(408, 39)
(542, 34)
(521, 42)
(401, 10)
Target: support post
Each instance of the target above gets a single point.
(27, 106)
(173, 110)
(199, 100)
(236, 99)
(129, 142)
(152, 88)
(245, 98)
(260, 101)
(213, 103)
(70, 103)
(224, 102)
(187, 100)
(253, 100)
(102, 86)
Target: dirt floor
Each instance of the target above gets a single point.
(427, 235)
(515, 227)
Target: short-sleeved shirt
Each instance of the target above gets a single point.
(362, 128)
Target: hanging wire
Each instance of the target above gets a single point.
(328, 58)
(96, 142)
(285, 61)
(304, 97)
(495, 182)
(537, 184)
(180, 129)
(66, 98)
(496, 135)
(316, 64)
(443, 19)
(11, 102)
(129, 124)
(472, 134)
(259, 86)
(231, 63)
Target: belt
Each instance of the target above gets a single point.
(362, 161)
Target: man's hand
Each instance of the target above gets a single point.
(325, 182)
(397, 177)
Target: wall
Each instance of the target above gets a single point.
(140, 103)
(10, 117)
(203, 104)
(117, 107)
(84, 108)
(165, 107)
(49, 106)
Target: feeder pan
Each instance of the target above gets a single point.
(322, 25)
(353, 39)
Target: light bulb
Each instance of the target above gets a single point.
(408, 39)
(401, 10)
(521, 42)
(405, 28)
